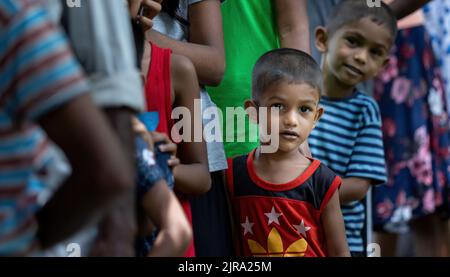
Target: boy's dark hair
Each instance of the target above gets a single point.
(285, 65)
(349, 11)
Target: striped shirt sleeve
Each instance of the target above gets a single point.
(37, 68)
(367, 159)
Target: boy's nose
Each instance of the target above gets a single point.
(290, 119)
(361, 56)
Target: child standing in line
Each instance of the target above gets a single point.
(286, 205)
(355, 45)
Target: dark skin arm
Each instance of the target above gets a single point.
(192, 175)
(117, 229)
(100, 176)
(292, 23)
(333, 226)
(205, 47)
(164, 210)
(402, 8)
(353, 189)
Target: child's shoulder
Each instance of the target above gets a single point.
(370, 110)
(365, 101)
(323, 174)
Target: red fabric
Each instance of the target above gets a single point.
(280, 220)
(158, 97)
(158, 88)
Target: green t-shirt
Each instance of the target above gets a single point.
(250, 30)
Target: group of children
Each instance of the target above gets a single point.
(189, 199)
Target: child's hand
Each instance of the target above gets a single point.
(151, 8)
(139, 129)
(167, 147)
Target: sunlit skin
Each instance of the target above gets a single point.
(355, 53)
(298, 111)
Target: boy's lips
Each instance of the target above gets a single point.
(289, 134)
(353, 69)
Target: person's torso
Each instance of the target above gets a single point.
(338, 143)
(282, 220)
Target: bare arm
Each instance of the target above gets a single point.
(333, 225)
(205, 47)
(164, 210)
(192, 175)
(100, 171)
(293, 25)
(353, 189)
(402, 8)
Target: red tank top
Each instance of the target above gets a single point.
(158, 97)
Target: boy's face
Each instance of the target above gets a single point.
(358, 51)
(298, 111)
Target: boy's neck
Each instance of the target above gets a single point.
(280, 157)
(280, 167)
(334, 88)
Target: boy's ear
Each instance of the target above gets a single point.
(321, 40)
(252, 110)
(319, 113)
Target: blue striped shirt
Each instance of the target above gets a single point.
(348, 139)
(37, 74)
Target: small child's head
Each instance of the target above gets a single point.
(356, 41)
(290, 81)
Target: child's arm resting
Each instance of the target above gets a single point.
(164, 210)
(353, 189)
(402, 8)
(333, 225)
(192, 175)
(205, 47)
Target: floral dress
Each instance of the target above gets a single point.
(412, 101)
(437, 22)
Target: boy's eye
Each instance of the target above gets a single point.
(305, 109)
(376, 52)
(351, 41)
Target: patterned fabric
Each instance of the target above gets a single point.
(37, 74)
(148, 171)
(151, 168)
(280, 220)
(416, 134)
(437, 22)
(348, 139)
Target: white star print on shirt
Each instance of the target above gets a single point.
(273, 216)
(302, 229)
(247, 226)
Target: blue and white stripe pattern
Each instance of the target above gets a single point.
(348, 139)
(37, 74)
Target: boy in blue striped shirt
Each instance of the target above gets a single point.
(355, 45)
